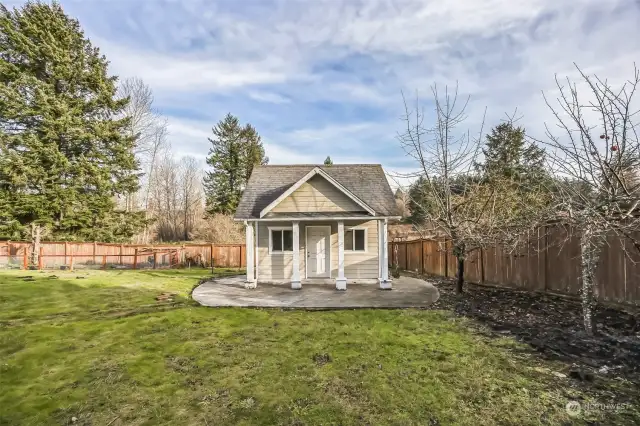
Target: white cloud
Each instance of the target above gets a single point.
(268, 97)
(278, 61)
(184, 73)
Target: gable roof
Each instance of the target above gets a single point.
(317, 171)
(366, 182)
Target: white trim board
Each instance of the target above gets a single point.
(305, 178)
(317, 219)
(306, 248)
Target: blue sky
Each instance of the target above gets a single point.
(320, 78)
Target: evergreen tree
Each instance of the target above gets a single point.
(253, 150)
(516, 169)
(328, 161)
(64, 155)
(234, 152)
(507, 155)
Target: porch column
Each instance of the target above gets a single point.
(256, 253)
(385, 284)
(341, 281)
(380, 253)
(295, 277)
(250, 281)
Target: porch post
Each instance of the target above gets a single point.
(341, 281)
(256, 253)
(295, 277)
(380, 253)
(385, 284)
(250, 281)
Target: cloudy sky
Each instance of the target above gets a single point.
(320, 78)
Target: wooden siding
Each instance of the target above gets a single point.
(359, 264)
(278, 267)
(317, 195)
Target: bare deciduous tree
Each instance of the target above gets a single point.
(176, 198)
(402, 202)
(597, 166)
(452, 195)
(192, 195)
(150, 130)
(219, 228)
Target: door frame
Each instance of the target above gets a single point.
(306, 249)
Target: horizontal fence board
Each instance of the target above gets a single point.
(89, 254)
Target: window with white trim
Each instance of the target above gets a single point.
(355, 239)
(281, 240)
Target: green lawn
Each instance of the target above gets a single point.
(103, 350)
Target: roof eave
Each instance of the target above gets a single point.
(326, 219)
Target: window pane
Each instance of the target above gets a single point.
(348, 240)
(287, 237)
(359, 243)
(276, 240)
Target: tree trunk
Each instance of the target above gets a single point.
(589, 255)
(36, 234)
(460, 252)
(460, 281)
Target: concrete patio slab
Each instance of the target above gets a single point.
(407, 292)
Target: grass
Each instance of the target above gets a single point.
(103, 350)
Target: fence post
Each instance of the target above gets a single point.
(94, 252)
(481, 265)
(155, 259)
(25, 261)
(406, 256)
(9, 252)
(71, 262)
(421, 256)
(104, 261)
(66, 247)
(135, 259)
(121, 254)
(211, 259)
(40, 261)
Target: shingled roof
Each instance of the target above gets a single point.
(366, 181)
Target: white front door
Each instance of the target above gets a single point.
(318, 246)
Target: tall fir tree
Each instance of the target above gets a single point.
(63, 153)
(253, 150)
(235, 151)
(328, 161)
(507, 155)
(517, 168)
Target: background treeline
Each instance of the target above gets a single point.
(84, 155)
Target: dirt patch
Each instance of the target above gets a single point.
(322, 359)
(552, 325)
(166, 297)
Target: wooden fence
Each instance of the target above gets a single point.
(134, 256)
(544, 265)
